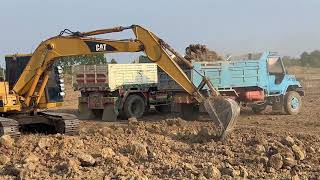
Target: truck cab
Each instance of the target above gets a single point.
(284, 90)
(278, 78)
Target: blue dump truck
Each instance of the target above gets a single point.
(252, 83)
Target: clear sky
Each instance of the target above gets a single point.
(227, 26)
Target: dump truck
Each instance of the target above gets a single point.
(254, 83)
(131, 89)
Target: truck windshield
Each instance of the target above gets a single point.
(275, 65)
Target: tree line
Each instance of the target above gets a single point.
(92, 59)
(306, 59)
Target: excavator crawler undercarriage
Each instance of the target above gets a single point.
(67, 124)
(9, 127)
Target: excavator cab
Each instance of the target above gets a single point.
(53, 93)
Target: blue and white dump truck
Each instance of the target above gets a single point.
(254, 83)
(127, 90)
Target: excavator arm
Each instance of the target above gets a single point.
(76, 43)
(81, 44)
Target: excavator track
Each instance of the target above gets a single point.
(9, 127)
(67, 124)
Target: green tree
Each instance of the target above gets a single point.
(290, 61)
(68, 62)
(314, 58)
(304, 59)
(144, 59)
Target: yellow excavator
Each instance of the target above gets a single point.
(23, 104)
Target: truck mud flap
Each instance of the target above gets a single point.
(224, 113)
(85, 112)
(110, 113)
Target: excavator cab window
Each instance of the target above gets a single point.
(15, 65)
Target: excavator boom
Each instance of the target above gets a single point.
(82, 43)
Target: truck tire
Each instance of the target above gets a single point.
(258, 108)
(189, 112)
(292, 103)
(134, 106)
(163, 109)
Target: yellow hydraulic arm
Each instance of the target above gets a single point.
(76, 43)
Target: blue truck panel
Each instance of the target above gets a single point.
(261, 80)
(236, 74)
(230, 74)
(233, 74)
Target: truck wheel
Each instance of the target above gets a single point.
(189, 112)
(134, 106)
(258, 108)
(292, 103)
(163, 108)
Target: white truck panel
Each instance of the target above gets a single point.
(112, 76)
(127, 74)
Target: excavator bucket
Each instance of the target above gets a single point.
(223, 112)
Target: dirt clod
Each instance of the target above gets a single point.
(311, 150)
(4, 159)
(175, 121)
(137, 149)
(86, 159)
(31, 158)
(289, 162)
(295, 177)
(243, 172)
(260, 149)
(289, 141)
(276, 161)
(6, 141)
(298, 152)
(270, 170)
(107, 153)
(213, 172)
(133, 121)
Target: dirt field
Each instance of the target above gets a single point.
(267, 146)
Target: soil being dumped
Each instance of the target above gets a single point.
(200, 52)
(268, 146)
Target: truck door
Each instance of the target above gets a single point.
(276, 74)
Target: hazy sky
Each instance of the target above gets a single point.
(227, 26)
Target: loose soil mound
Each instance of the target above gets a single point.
(268, 146)
(200, 52)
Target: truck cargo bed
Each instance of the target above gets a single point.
(223, 74)
(112, 76)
